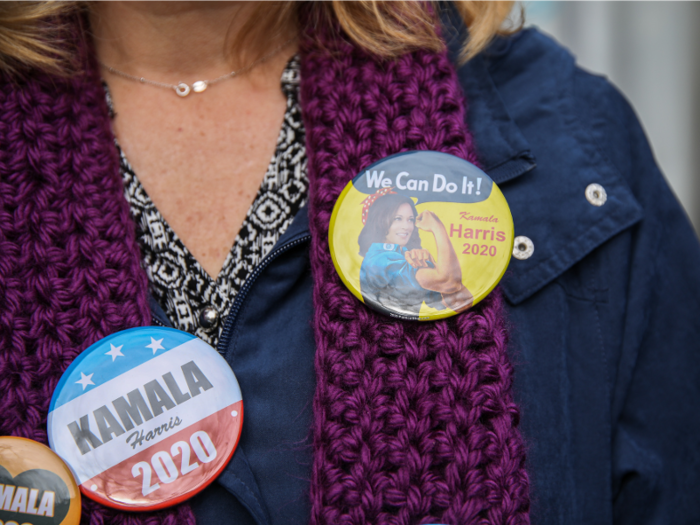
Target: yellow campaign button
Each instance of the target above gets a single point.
(421, 235)
(36, 486)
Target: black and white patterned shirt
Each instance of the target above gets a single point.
(178, 282)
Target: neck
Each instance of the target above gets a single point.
(177, 41)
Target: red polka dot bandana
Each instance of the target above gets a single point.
(370, 200)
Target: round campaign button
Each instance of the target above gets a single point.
(146, 418)
(421, 235)
(36, 487)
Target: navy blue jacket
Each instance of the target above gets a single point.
(602, 316)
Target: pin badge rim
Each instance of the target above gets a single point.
(397, 315)
(213, 474)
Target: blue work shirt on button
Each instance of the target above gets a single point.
(387, 279)
(604, 337)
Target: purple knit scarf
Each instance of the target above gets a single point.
(414, 423)
(70, 270)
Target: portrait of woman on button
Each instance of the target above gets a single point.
(397, 273)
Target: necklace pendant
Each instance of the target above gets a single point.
(182, 89)
(200, 86)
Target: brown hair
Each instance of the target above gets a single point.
(32, 35)
(35, 34)
(379, 219)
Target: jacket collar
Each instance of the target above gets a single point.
(547, 198)
(503, 151)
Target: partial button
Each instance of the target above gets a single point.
(523, 248)
(209, 317)
(596, 195)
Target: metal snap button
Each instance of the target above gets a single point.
(523, 247)
(209, 317)
(596, 195)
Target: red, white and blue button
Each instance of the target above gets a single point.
(146, 418)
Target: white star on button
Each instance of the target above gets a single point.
(155, 345)
(85, 380)
(115, 351)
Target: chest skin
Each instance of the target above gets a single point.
(202, 158)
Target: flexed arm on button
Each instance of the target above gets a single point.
(446, 277)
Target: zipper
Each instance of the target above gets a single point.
(243, 292)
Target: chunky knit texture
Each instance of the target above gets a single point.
(414, 423)
(69, 263)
